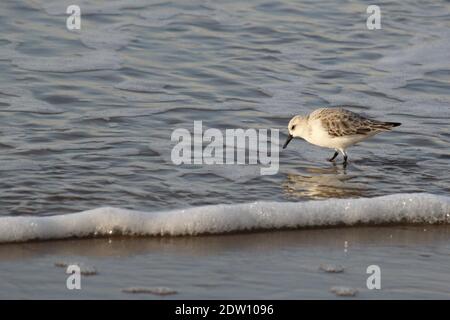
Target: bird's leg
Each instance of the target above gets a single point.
(334, 156)
(345, 158)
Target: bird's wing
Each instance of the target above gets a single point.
(341, 122)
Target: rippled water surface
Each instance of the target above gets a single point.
(86, 117)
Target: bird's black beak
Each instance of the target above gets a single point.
(289, 138)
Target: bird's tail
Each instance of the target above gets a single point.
(385, 126)
(390, 125)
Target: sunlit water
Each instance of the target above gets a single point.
(86, 117)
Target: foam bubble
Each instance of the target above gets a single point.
(342, 291)
(331, 268)
(85, 270)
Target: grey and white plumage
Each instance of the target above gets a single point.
(335, 128)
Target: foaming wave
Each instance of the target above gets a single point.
(217, 219)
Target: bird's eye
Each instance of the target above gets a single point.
(293, 127)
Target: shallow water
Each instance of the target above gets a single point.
(85, 123)
(87, 116)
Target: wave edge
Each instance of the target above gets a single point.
(419, 208)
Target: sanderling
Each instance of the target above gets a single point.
(335, 128)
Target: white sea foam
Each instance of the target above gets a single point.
(344, 291)
(216, 219)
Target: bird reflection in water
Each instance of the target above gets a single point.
(323, 183)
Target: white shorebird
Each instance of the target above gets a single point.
(335, 128)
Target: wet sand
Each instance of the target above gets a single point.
(297, 264)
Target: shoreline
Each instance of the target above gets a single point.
(416, 208)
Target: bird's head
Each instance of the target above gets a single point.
(295, 129)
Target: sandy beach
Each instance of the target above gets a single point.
(297, 264)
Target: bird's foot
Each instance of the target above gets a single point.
(333, 157)
(345, 161)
